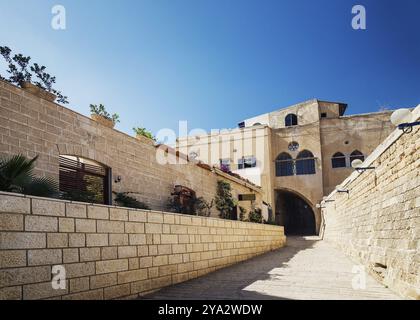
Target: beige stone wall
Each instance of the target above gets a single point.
(33, 126)
(378, 222)
(347, 134)
(111, 252)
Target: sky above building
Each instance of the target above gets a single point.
(217, 62)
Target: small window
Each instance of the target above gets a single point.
(356, 155)
(241, 125)
(323, 115)
(247, 162)
(284, 165)
(84, 180)
(338, 160)
(291, 120)
(305, 163)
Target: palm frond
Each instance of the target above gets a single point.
(41, 187)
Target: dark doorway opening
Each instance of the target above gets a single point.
(295, 214)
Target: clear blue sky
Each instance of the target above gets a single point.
(216, 62)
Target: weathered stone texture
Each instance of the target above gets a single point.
(378, 222)
(113, 253)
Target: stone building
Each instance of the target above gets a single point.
(297, 155)
(85, 155)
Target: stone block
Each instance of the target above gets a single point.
(153, 228)
(22, 240)
(109, 253)
(110, 226)
(20, 276)
(38, 223)
(118, 214)
(14, 204)
(103, 280)
(131, 276)
(111, 266)
(42, 290)
(75, 210)
(85, 225)
(137, 216)
(160, 261)
(154, 217)
(11, 293)
(118, 239)
(117, 291)
(11, 222)
(90, 254)
(96, 240)
(66, 225)
(169, 239)
(77, 240)
(57, 240)
(146, 262)
(79, 285)
(127, 252)
(70, 255)
(44, 257)
(98, 212)
(137, 239)
(48, 207)
(134, 227)
(82, 269)
(12, 258)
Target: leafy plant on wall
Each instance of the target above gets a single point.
(16, 175)
(203, 207)
(255, 215)
(125, 200)
(21, 72)
(102, 112)
(144, 132)
(224, 200)
(242, 213)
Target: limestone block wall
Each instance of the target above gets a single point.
(110, 252)
(32, 126)
(378, 222)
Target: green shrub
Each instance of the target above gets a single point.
(124, 200)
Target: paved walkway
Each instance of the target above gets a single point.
(305, 269)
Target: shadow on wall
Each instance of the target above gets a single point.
(234, 282)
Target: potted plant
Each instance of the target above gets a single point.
(144, 135)
(99, 114)
(21, 74)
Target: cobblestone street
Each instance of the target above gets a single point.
(305, 269)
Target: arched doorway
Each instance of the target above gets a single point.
(295, 214)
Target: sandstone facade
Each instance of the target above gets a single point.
(111, 252)
(378, 221)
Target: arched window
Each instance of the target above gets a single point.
(84, 180)
(305, 163)
(338, 160)
(356, 155)
(284, 165)
(291, 120)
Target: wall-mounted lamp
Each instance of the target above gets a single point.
(403, 119)
(342, 191)
(357, 164)
(117, 179)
